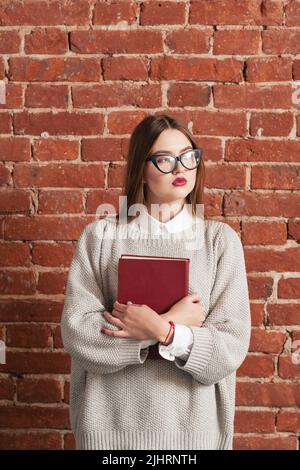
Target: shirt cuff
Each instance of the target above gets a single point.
(181, 344)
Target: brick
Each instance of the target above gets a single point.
(7, 388)
(30, 440)
(46, 96)
(289, 288)
(5, 124)
(36, 363)
(271, 124)
(295, 335)
(154, 13)
(213, 204)
(268, 394)
(212, 148)
(189, 40)
(61, 123)
(52, 149)
(102, 149)
(292, 14)
(257, 314)
(260, 287)
(264, 443)
(46, 41)
(296, 71)
(28, 310)
(14, 254)
(53, 254)
(264, 233)
(283, 314)
(115, 13)
(194, 68)
(125, 68)
(69, 441)
(34, 417)
(188, 94)
(275, 177)
(288, 421)
(252, 96)
(28, 336)
(42, 227)
(72, 69)
(39, 390)
(262, 151)
(57, 339)
(17, 282)
(116, 175)
(265, 259)
(287, 369)
(52, 282)
(37, 12)
(123, 122)
(254, 421)
(280, 41)
(14, 149)
(65, 175)
(246, 12)
(294, 230)
(14, 200)
(256, 366)
(95, 198)
(5, 175)
(241, 42)
(267, 341)
(60, 202)
(225, 176)
(9, 42)
(14, 97)
(116, 42)
(269, 69)
(117, 94)
(219, 123)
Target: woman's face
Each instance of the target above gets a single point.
(159, 185)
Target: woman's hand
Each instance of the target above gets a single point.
(136, 322)
(188, 311)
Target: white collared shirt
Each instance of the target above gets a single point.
(183, 337)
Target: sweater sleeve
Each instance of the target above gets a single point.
(222, 342)
(81, 318)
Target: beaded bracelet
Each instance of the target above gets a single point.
(172, 327)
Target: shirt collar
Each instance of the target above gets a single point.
(181, 221)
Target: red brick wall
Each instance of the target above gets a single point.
(86, 73)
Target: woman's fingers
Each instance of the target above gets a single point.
(111, 318)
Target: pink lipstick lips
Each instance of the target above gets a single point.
(179, 182)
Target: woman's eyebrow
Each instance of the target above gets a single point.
(169, 151)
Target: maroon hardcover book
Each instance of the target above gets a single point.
(157, 281)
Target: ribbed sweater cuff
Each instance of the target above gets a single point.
(132, 352)
(200, 353)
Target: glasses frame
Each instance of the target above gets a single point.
(199, 153)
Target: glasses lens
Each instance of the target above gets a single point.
(189, 159)
(165, 163)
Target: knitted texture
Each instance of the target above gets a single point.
(119, 399)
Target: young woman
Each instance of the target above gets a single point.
(186, 399)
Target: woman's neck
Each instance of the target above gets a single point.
(163, 211)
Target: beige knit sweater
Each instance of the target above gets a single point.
(119, 398)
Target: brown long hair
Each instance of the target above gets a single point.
(141, 141)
